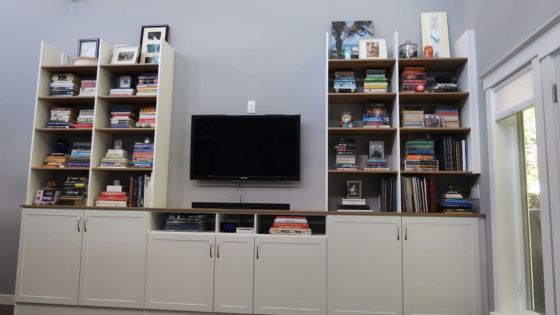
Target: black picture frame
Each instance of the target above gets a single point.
(147, 27)
(80, 41)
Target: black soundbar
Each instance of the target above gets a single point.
(244, 205)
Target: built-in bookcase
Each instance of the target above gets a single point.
(101, 136)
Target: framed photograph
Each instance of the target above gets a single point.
(150, 42)
(124, 55)
(376, 150)
(345, 37)
(354, 189)
(124, 82)
(88, 48)
(373, 48)
(435, 34)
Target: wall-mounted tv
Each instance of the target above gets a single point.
(245, 147)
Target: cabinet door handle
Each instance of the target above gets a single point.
(218, 250)
(405, 232)
(85, 224)
(258, 250)
(211, 248)
(79, 222)
(398, 233)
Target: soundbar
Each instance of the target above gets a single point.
(244, 205)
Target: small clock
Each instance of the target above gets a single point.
(88, 48)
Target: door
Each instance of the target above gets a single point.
(180, 274)
(364, 265)
(49, 256)
(441, 266)
(290, 273)
(233, 279)
(114, 258)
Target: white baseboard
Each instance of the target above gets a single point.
(6, 299)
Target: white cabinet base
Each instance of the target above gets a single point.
(41, 309)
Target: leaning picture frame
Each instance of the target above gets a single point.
(151, 39)
(353, 189)
(88, 48)
(435, 34)
(125, 55)
(373, 48)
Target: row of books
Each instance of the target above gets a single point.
(66, 117)
(420, 155)
(79, 156)
(139, 193)
(452, 154)
(127, 116)
(290, 225)
(143, 154)
(186, 222)
(444, 117)
(147, 84)
(419, 194)
(453, 201)
(345, 154)
(413, 79)
(88, 87)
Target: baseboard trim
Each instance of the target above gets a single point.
(6, 299)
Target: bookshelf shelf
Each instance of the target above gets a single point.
(433, 97)
(345, 98)
(434, 64)
(362, 131)
(359, 64)
(123, 169)
(438, 173)
(442, 131)
(129, 99)
(60, 169)
(84, 70)
(68, 131)
(130, 69)
(125, 131)
(370, 172)
(68, 99)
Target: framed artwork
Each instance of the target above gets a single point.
(376, 150)
(435, 34)
(373, 48)
(151, 38)
(125, 54)
(88, 48)
(345, 37)
(124, 82)
(354, 189)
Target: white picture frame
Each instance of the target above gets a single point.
(151, 39)
(354, 189)
(376, 150)
(123, 55)
(435, 33)
(373, 48)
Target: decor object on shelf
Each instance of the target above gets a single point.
(88, 48)
(116, 157)
(85, 61)
(376, 156)
(125, 54)
(414, 79)
(376, 116)
(48, 195)
(344, 81)
(373, 48)
(428, 51)
(150, 42)
(345, 36)
(346, 120)
(408, 50)
(435, 33)
(354, 189)
(65, 59)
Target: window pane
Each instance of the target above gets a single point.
(532, 214)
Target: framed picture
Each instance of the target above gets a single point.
(88, 48)
(354, 189)
(125, 54)
(150, 42)
(373, 48)
(376, 150)
(124, 82)
(345, 37)
(435, 34)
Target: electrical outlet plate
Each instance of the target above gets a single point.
(251, 107)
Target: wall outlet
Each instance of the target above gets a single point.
(475, 191)
(251, 107)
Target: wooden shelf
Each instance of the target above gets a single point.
(407, 131)
(439, 173)
(132, 68)
(69, 99)
(381, 172)
(363, 131)
(359, 64)
(345, 98)
(120, 169)
(130, 99)
(127, 130)
(432, 97)
(60, 169)
(64, 130)
(434, 64)
(79, 70)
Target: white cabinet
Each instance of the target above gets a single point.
(49, 256)
(113, 264)
(290, 275)
(233, 279)
(441, 266)
(364, 265)
(180, 273)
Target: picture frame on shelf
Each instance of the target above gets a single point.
(354, 189)
(345, 36)
(435, 33)
(151, 38)
(373, 48)
(124, 55)
(88, 48)
(124, 82)
(376, 150)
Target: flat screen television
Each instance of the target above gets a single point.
(245, 147)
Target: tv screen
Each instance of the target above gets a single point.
(247, 147)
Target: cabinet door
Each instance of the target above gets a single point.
(233, 279)
(180, 272)
(114, 258)
(290, 275)
(49, 256)
(364, 265)
(441, 266)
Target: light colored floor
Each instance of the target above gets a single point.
(6, 310)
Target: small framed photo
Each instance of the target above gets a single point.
(124, 82)
(376, 150)
(373, 48)
(354, 189)
(124, 54)
(151, 39)
(88, 48)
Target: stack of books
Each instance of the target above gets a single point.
(377, 116)
(88, 87)
(187, 223)
(65, 84)
(412, 117)
(147, 117)
(122, 92)
(147, 84)
(143, 154)
(376, 164)
(80, 154)
(419, 194)
(62, 117)
(290, 225)
(453, 201)
(55, 160)
(344, 81)
(122, 116)
(354, 204)
(140, 191)
(113, 196)
(345, 149)
(375, 81)
(452, 154)
(74, 191)
(115, 158)
(47, 196)
(414, 79)
(420, 155)
(449, 115)
(85, 119)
